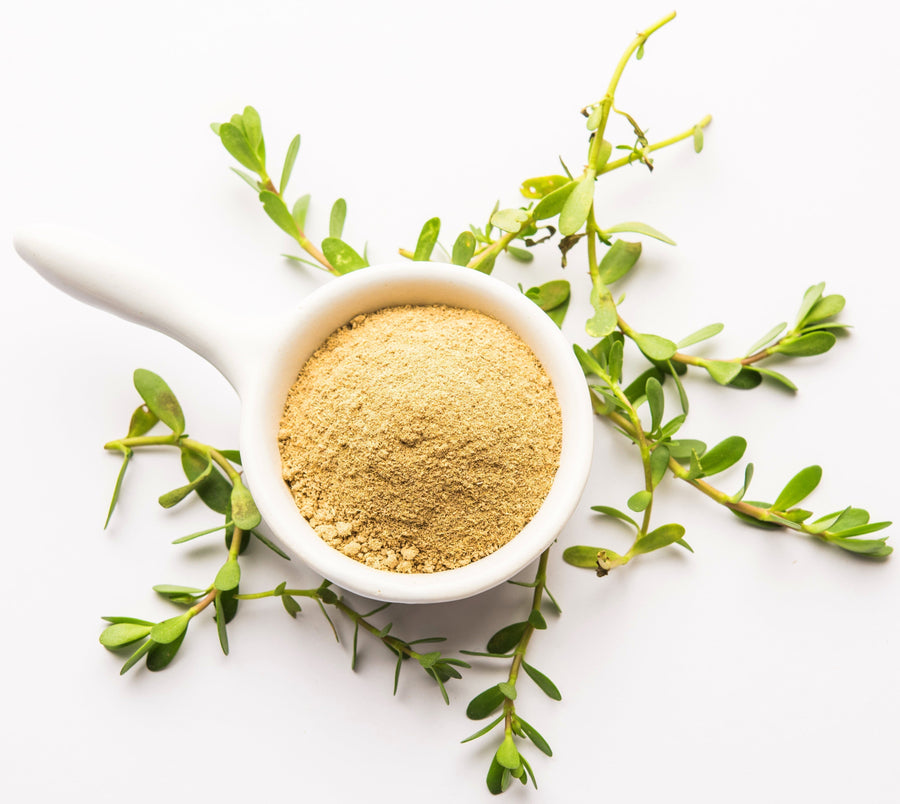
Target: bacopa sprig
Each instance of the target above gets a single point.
(511, 642)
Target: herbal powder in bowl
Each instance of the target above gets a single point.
(261, 358)
(420, 438)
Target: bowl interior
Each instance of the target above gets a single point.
(328, 309)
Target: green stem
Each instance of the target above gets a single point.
(540, 584)
(609, 98)
(627, 160)
(396, 645)
(305, 243)
(495, 248)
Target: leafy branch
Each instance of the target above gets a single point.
(511, 642)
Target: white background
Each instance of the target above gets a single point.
(763, 667)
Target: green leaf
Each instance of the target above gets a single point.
(661, 537)
(602, 156)
(243, 509)
(536, 619)
(250, 180)
(869, 547)
(520, 254)
(220, 625)
(277, 210)
(546, 685)
(799, 487)
(659, 462)
(337, 218)
(605, 317)
(428, 239)
(498, 778)
(814, 343)
(253, 132)
(291, 606)
(273, 547)
(860, 530)
(509, 220)
(577, 206)
(159, 399)
(748, 476)
(215, 491)
(775, 376)
(653, 346)
(639, 228)
(199, 533)
(723, 455)
(463, 249)
(301, 207)
(672, 426)
(615, 359)
(639, 500)
(767, 338)
(550, 294)
(128, 453)
(638, 387)
(535, 736)
(228, 576)
(508, 690)
(552, 204)
(171, 590)
(703, 334)
(485, 704)
(169, 630)
(142, 422)
(506, 638)
(482, 732)
(159, 656)
(698, 139)
(810, 298)
(508, 754)
(681, 449)
(289, 159)
(656, 402)
(619, 259)
(581, 556)
(541, 186)
(175, 496)
(120, 634)
(132, 620)
(136, 656)
(588, 362)
(826, 307)
(342, 258)
(428, 660)
(722, 371)
(236, 144)
(486, 265)
(615, 513)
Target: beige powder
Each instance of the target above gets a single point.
(420, 438)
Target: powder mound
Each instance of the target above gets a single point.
(420, 438)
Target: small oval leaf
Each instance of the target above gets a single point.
(159, 399)
(798, 488)
(506, 638)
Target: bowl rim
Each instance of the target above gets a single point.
(331, 306)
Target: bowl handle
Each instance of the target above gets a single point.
(103, 276)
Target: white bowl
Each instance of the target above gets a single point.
(263, 358)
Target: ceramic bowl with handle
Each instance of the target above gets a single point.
(261, 360)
